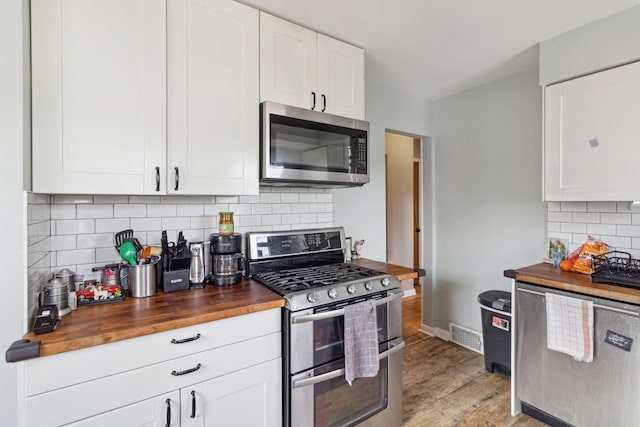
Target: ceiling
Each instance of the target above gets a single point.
(436, 48)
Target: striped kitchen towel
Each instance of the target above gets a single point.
(360, 341)
(570, 326)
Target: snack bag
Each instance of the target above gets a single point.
(591, 247)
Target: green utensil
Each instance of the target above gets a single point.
(128, 252)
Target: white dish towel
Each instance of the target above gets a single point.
(570, 326)
(360, 341)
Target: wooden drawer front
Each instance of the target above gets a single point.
(74, 367)
(105, 394)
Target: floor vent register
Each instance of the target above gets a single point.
(466, 337)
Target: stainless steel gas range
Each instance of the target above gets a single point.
(307, 268)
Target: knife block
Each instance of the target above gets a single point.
(175, 280)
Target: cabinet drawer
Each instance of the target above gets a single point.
(66, 369)
(115, 391)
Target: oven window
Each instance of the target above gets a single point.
(328, 336)
(339, 404)
(298, 144)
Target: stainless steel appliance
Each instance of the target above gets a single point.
(307, 268)
(561, 391)
(312, 148)
(228, 262)
(196, 266)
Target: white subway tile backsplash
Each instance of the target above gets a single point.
(291, 219)
(324, 198)
(112, 225)
(146, 224)
(161, 210)
(145, 200)
(38, 212)
(586, 217)
(560, 216)
(261, 209)
(310, 218)
(190, 210)
(236, 199)
(177, 223)
(107, 255)
(130, 210)
(202, 199)
(628, 230)
(63, 243)
(601, 206)
(325, 217)
(615, 218)
(94, 211)
(101, 240)
(281, 208)
(78, 256)
(63, 212)
(271, 219)
(573, 206)
(110, 199)
(553, 206)
(174, 199)
(308, 198)
(239, 209)
(572, 227)
(210, 210)
(617, 242)
(553, 226)
(249, 221)
(270, 198)
(316, 207)
(194, 235)
(623, 207)
(290, 198)
(601, 229)
(204, 222)
(74, 226)
(635, 219)
(635, 242)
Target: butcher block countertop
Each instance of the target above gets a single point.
(135, 317)
(547, 275)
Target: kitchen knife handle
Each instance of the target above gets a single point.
(177, 178)
(324, 102)
(193, 404)
(313, 94)
(168, 402)
(157, 178)
(186, 371)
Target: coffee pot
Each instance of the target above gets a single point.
(228, 261)
(196, 268)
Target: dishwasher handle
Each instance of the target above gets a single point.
(598, 306)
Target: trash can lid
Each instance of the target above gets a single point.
(500, 300)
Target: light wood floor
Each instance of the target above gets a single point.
(445, 384)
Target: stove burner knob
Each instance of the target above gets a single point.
(312, 298)
(385, 282)
(351, 289)
(333, 293)
(369, 285)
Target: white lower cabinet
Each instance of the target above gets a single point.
(201, 375)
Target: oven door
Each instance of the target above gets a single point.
(316, 336)
(321, 397)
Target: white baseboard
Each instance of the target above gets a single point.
(441, 333)
(426, 329)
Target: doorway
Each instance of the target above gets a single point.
(404, 203)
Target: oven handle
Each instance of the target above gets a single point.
(340, 312)
(340, 372)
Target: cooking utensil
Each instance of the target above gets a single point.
(128, 252)
(127, 236)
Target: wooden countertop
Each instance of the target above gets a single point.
(547, 275)
(134, 317)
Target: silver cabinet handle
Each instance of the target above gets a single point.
(340, 372)
(340, 312)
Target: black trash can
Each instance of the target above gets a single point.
(495, 307)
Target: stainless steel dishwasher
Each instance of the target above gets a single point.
(561, 391)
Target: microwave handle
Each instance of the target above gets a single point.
(340, 312)
(313, 96)
(396, 345)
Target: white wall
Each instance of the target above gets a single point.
(12, 214)
(362, 210)
(489, 215)
(602, 44)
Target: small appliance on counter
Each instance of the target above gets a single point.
(227, 258)
(56, 293)
(196, 268)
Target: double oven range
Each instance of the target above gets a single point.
(307, 268)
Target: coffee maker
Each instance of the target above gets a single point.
(228, 262)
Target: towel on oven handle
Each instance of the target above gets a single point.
(361, 341)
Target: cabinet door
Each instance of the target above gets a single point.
(249, 397)
(287, 63)
(591, 137)
(341, 77)
(213, 97)
(160, 411)
(99, 96)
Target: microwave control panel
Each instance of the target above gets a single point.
(359, 166)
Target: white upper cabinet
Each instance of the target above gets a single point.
(213, 97)
(592, 137)
(145, 97)
(302, 68)
(99, 96)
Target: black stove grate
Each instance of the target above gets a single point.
(616, 267)
(301, 279)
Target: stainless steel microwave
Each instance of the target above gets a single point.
(311, 148)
